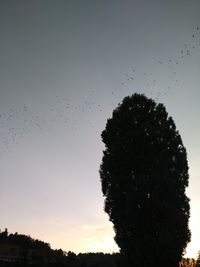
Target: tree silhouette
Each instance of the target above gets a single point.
(144, 174)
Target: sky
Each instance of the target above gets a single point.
(65, 65)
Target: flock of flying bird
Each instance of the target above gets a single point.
(171, 64)
(17, 122)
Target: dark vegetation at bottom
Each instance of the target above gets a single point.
(18, 250)
(80, 260)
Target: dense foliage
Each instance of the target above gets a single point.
(144, 174)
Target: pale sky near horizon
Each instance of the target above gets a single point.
(65, 65)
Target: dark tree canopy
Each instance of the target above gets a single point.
(144, 174)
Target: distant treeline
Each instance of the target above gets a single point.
(21, 250)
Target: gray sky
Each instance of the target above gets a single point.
(64, 66)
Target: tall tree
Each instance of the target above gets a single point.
(144, 174)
